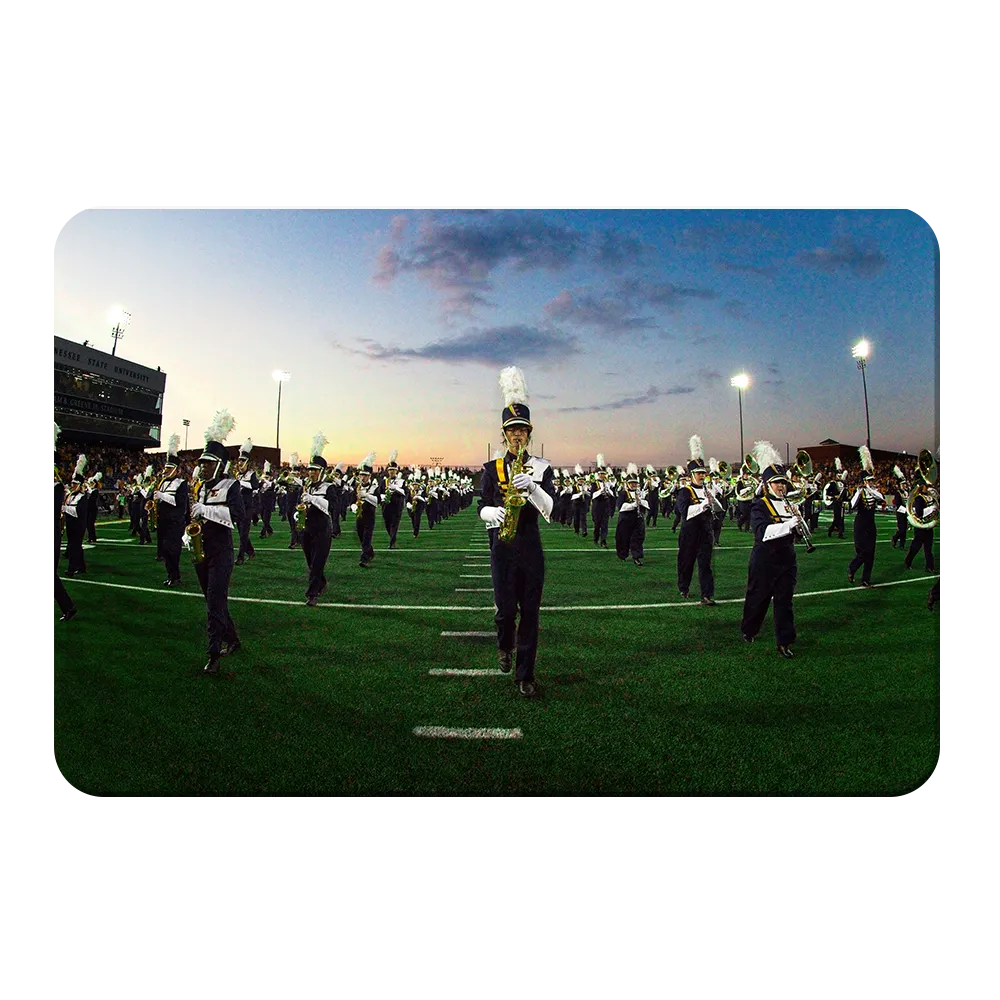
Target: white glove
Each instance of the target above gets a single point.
(198, 510)
(493, 516)
(524, 483)
(409, 506)
(383, 498)
(627, 506)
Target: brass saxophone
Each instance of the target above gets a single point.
(512, 499)
(194, 528)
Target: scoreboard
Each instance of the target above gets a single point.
(106, 399)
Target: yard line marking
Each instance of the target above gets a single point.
(443, 732)
(463, 672)
(694, 603)
(473, 590)
(471, 635)
(474, 576)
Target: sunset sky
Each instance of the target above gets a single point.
(628, 325)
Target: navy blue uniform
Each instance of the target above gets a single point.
(62, 597)
(772, 573)
(517, 566)
(695, 542)
(216, 569)
(317, 533)
(865, 534)
(630, 531)
(171, 520)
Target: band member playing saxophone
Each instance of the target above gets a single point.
(630, 531)
(366, 502)
(515, 489)
(696, 506)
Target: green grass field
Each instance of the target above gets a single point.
(643, 693)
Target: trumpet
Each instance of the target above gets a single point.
(801, 527)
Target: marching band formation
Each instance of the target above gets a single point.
(777, 505)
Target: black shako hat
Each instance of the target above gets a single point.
(317, 462)
(775, 472)
(695, 465)
(215, 451)
(516, 415)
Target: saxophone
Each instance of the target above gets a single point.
(512, 499)
(194, 528)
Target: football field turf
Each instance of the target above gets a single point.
(643, 692)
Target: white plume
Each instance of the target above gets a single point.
(600, 460)
(838, 464)
(898, 472)
(578, 469)
(81, 465)
(392, 455)
(149, 472)
(713, 465)
(766, 454)
(294, 459)
(513, 386)
(632, 469)
(368, 460)
(498, 453)
(246, 447)
(866, 459)
(650, 469)
(98, 476)
(173, 444)
(566, 472)
(319, 443)
(697, 452)
(220, 427)
(267, 467)
(339, 467)
(56, 442)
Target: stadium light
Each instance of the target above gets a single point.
(121, 318)
(740, 382)
(279, 376)
(860, 352)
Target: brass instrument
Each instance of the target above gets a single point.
(359, 496)
(749, 470)
(512, 499)
(725, 470)
(802, 468)
(926, 470)
(194, 528)
(801, 527)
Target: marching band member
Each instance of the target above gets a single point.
(715, 483)
(602, 503)
(293, 490)
(172, 501)
(366, 501)
(393, 498)
(317, 497)
(925, 515)
(898, 494)
(837, 492)
(74, 508)
(510, 502)
(630, 531)
(268, 499)
(695, 506)
(65, 602)
(923, 538)
(652, 496)
(249, 483)
(217, 507)
(93, 499)
(144, 490)
(415, 505)
(566, 499)
(773, 569)
(866, 498)
(581, 502)
(336, 494)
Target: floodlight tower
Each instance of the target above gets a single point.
(121, 319)
(740, 382)
(279, 377)
(861, 351)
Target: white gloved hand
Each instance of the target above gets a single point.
(627, 506)
(523, 482)
(409, 506)
(493, 515)
(198, 510)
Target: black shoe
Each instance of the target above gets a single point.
(505, 658)
(865, 583)
(69, 615)
(166, 583)
(253, 554)
(747, 638)
(159, 558)
(683, 594)
(638, 562)
(211, 669)
(708, 602)
(173, 583)
(850, 577)
(786, 652)
(240, 561)
(311, 602)
(291, 545)
(231, 647)
(907, 563)
(363, 564)
(529, 689)
(604, 545)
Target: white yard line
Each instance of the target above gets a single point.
(444, 733)
(470, 635)
(463, 672)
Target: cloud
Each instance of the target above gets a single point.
(610, 313)
(845, 254)
(761, 272)
(736, 309)
(709, 375)
(649, 396)
(497, 345)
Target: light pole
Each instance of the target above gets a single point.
(121, 319)
(279, 377)
(187, 424)
(861, 351)
(741, 382)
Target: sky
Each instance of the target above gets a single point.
(628, 325)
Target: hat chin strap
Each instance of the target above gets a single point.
(507, 439)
